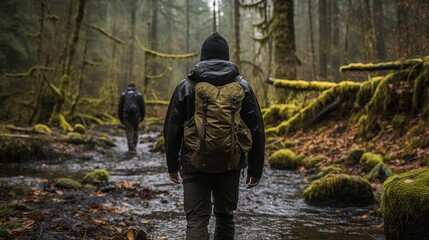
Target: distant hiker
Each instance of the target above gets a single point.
(213, 129)
(131, 112)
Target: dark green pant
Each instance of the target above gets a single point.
(198, 189)
(132, 132)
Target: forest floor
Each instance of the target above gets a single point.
(90, 213)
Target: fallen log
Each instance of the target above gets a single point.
(397, 65)
(301, 85)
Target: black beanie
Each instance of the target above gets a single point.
(215, 47)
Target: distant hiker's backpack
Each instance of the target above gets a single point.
(131, 105)
(216, 136)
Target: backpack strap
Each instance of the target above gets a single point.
(233, 140)
(203, 134)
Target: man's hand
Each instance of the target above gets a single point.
(252, 182)
(175, 177)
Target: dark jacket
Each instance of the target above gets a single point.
(122, 114)
(182, 108)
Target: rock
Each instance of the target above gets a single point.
(339, 189)
(76, 138)
(159, 145)
(369, 160)
(79, 128)
(380, 172)
(95, 177)
(284, 159)
(108, 188)
(353, 156)
(314, 161)
(67, 183)
(404, 205)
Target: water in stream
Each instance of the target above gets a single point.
(273, 210)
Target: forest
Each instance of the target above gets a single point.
(343, 88)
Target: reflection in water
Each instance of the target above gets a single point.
(273, 210)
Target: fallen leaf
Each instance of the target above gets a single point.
(130, 235)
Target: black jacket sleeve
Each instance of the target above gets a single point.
(252, 117)
(142, 108)
(173, 130)
(121, 107)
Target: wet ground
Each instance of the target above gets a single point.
(273, 210)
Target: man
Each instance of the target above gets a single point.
(131, 112)
(200, 185)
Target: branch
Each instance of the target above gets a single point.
(416, 62)
(164, 55)
(301, 85)
(104, 33)
(169, 69)
(242, 4)
(157, 102)
(30, 72)
(260, 39)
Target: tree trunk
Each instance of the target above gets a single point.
(130, 67)
(214, 16)
(369, 43)
(237, 48)
(323, 41)
(378, 22)
(310, 23)
(335, 53)
(284, 39)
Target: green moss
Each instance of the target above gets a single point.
(425, 162)
(302, 85)
(353, 156)
(24, 149)
(11, 207)
(344, 92)
(399, 121)
(67, 183)
(96, 176)
(369, 160)
(328, 170)
(417, 130)
(79, 128)
(8, 225)
(380, 172)
(312, 162)
(277, 113)
(42, 128)
(367, 90)
(339, 189)
(64, 124)
(284, 159)
(404, 204)
(76, 138)
(105, 141)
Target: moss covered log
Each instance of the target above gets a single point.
(302, 85)
(157, 102)
(345, 91)
(405, 206)
(411, 63)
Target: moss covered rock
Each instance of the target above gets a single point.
(96, 176)
(24, 149)
(76, 138)
(9, 208)
(339, 190)
(328, 170)
(405, 205)
(79, 128)
(67, 183)
(312, 162)
(380, 172)
(353, 156)
(284, 159)
(425, 162)
(369, 160)
(105, 141)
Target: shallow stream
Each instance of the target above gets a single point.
(273, 210)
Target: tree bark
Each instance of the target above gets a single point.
(237, 47)
(323, 41)
(378, 21)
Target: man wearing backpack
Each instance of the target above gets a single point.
(213, 129)
(131, 112)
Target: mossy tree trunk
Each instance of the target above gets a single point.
(64, 89)
(284, 41)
